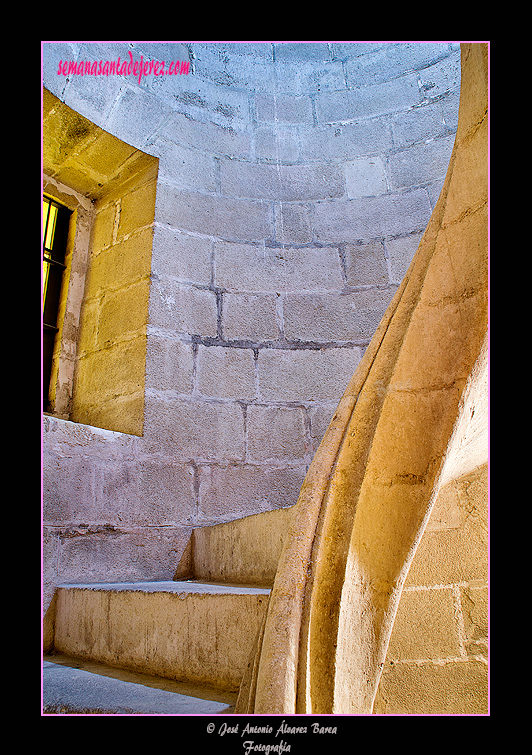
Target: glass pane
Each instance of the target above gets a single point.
(45, 208)
(50, 227)
(45, 271)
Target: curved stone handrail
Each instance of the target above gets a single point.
(368, 493)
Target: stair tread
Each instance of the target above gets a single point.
(186, 586)
(76, 687)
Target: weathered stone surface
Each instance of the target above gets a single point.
(183, 308)
(365, 264)
(370, 218)
(171, 365)
(368, 102)
(402, 432)
(226, 373)
(275, 432)
(243, 267)
(243, 550)
(263, 223)
(249, 316)
(365, 177)
(224, 489)
(286, 183)
(427, 687)
(176, 428)
(308, 375)
(225, 217)
(335, 318)
(118, 624)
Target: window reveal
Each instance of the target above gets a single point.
(55, 232)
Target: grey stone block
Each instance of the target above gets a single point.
(229, 69)
(449, 106)
(421, 163)
(276, 144)
(281, 182)
(320, 419)
(335, 318)
(212, 215)
(169, 365)
(200, 430)
(441, 77)
(122, 555)
(203, 100)
(166, 490)
(345, 140)
(317, 77)
(283, 108)
(434, 190)
(227, 373)
(183, 308)
(188, 168)
(305, 375)
(368, 102)
(275, 433)
(365, 177)
(292, 223)
(137, 116)
(425, 122)
(400, 253)
(365, 264)
(250, 317)
(209, 137)
(243, 267)
(185, 257)
(391, 61)
(145, 492)
(236, 490)
(371, 217)
(69, 487)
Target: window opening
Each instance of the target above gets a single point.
(56, 219)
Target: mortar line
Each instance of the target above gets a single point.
(256, 374)
(459, 618)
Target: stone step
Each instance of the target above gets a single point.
(72, 686)
(243, 550)
(188, 631)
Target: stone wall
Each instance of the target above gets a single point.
(111, 351)
(437, 659)
(294, 184)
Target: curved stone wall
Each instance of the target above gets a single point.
(295, 182)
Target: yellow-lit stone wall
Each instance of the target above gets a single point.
(437, 659)
(109, 384)
(99, 367)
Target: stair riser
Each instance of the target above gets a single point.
(204, 639)
(244, 550)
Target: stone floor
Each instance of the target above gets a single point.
(75, 687)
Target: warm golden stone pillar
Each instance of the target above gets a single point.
(369, 491)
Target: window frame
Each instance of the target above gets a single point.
(58, 389)
(55, 242)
